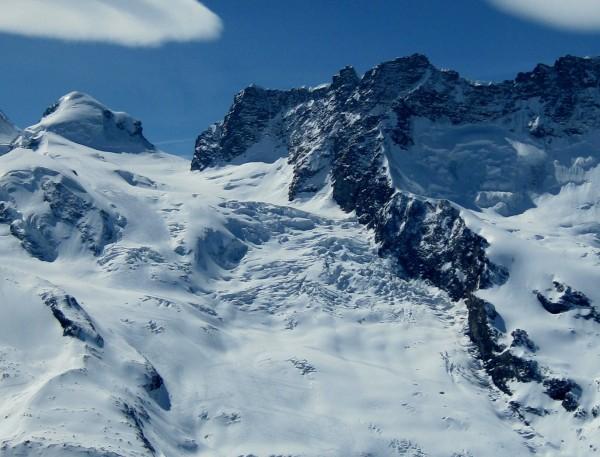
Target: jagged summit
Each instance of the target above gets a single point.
(407, 125)
(346, 77)
(82, 119)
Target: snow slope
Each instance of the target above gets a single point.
(153, 311)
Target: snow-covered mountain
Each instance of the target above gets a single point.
(404, 263)
(408, 125)
(8, 133)
(83, 120)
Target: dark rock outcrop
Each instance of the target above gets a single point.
(155, 386)
(73, 319)
(566, 299)
(430, 240)
(565, 390)
(508, 367)
(480, 331)
(500, 363)
(521, 340)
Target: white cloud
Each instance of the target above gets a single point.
(581, 15)
(124, 22)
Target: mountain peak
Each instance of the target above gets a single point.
(405, 63)
(415, 59)
(346, 77)
(569, 59)
(82, 119)
(353, 141)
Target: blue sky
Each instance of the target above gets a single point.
(178, 89)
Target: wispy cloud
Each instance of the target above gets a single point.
(579, 15)
(175, 141)
(124, 22)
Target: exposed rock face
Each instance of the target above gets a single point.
(84, 120)
(430, 240)
(155, 387)
(565, 390)
(481, 330)
(410, 126)
(484, 328)
(521, 340)
(562, 299)
(74, 320)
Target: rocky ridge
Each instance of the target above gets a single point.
(406, 132)
(408, 125)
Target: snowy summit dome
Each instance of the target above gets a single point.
(82, 119)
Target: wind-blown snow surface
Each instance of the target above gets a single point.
(203, 314)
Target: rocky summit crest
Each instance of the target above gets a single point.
(408, 125)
